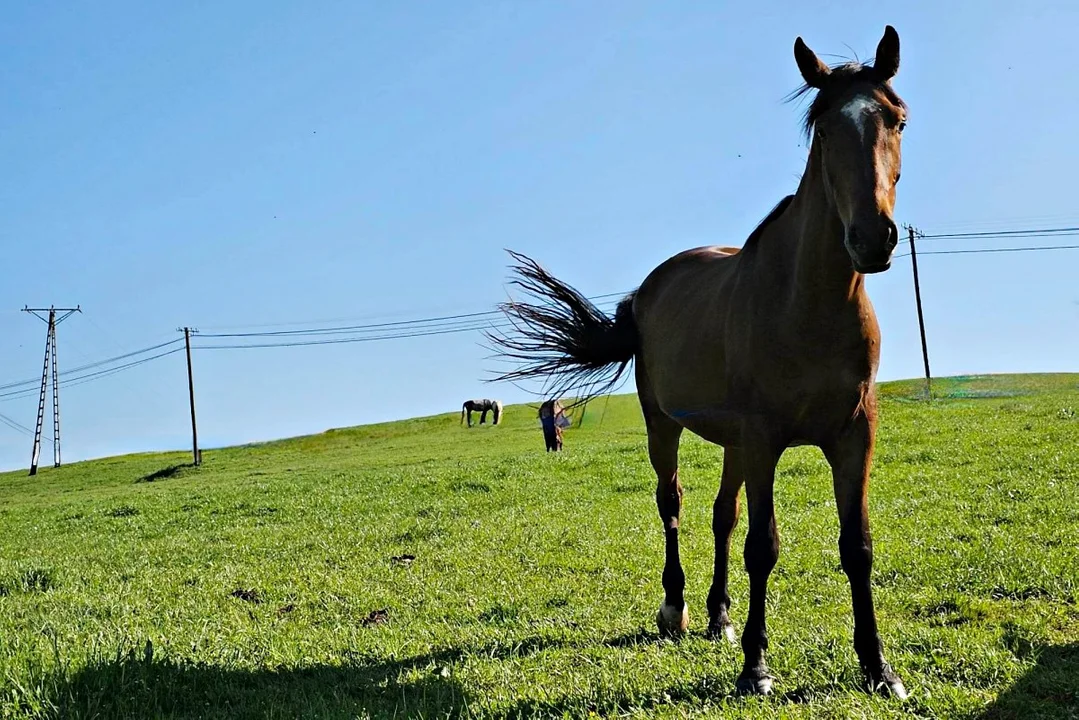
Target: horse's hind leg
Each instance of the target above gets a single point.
(663, 437)
(724, 519)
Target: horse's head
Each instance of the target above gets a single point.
(856, 122)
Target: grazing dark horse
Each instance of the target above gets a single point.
(482, 407)
(773, 346)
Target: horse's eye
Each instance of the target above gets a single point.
(902, 125)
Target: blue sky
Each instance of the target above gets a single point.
(241, 163)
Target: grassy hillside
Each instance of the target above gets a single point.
(271, 581)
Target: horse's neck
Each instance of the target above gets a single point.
(809, 237)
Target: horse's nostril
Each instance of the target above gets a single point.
(893, 238)
(855, 240)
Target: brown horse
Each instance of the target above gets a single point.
(757, 350)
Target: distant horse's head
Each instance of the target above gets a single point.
(856, 122)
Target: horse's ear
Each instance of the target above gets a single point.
(886, 64)
(814, 72)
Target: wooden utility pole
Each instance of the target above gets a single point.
(911, 232)
(195, 454)
(50, 356)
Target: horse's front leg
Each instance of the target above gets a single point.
(663, 437)
(851, 456)
(760, 453)
(724, 519)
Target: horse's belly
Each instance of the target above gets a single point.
(694, 394)
(686, 375)
(721, 427)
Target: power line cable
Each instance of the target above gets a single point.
(343, 341)
(73, 381)
(109, 336)
(999, 250)
(406, 333)
(93, 365)
(361, 330)
(444, 325)
(18, 426)
(1029, 232)
(319, 322)
(133, 353)
(423, 327)
(980, 251)
(343, 329)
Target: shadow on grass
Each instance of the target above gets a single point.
(695, 694)
(427, 685)
(137, 684)
(140, 685)
(133, 687)
(1049, 691)
(165, 473)
(635, 639)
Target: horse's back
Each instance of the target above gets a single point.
(681, 312)
(686, 284)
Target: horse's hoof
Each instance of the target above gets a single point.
(672, 621)
(885, 682)
(757, 682)
(720, 631)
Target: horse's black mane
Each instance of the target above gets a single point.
(843, 76)
(768, 220)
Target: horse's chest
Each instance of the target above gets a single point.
(802, 383)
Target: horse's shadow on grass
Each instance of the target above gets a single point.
(426, 685)
(1048, 691)
(134, 686)
(137, 684)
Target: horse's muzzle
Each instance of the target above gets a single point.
(871, 251)
(869, 269)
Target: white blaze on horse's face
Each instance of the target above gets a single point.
(859, 110)
(860, 151)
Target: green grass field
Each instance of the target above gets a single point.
(265, 584)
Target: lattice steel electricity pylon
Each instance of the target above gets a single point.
(50, 355)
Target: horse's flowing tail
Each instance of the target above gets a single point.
(464, 409)
(563, 337)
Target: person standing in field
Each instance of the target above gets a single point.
(553, 419)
